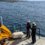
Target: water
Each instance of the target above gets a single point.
(20, 12)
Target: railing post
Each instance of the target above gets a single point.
(39, 33)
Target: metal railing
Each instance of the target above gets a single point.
(38, 33)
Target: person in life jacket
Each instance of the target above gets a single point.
(28, 26)
(34, 32)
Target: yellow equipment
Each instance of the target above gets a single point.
(5, 33)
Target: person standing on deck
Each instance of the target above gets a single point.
(33, 32)
(28, 26)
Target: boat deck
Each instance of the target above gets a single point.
(25, 41)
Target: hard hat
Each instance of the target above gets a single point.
(34, 23)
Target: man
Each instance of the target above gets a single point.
(28, 26)
(33, 32)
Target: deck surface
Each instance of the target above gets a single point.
(25, 41)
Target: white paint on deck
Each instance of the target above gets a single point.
(9, 42)
(40, 41)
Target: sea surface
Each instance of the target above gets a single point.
(17, 13)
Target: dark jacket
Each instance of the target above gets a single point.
(28, 26)
(34, 30)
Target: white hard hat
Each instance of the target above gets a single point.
(34, 23)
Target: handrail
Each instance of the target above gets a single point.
(39, 32)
